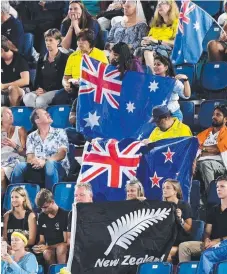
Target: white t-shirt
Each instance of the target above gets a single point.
(222, 19)
(211, 141)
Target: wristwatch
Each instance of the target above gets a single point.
(204, 149)
(185, 80)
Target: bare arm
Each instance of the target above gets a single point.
(68, 238)
(30, 158)
(208, 230)
(23, 81)
(5, 225)
(187, 225)
(67, 40)
(72, 118)
(210, 150)
(60, 155)
(41, 240)
(23, 136)
(32, 226)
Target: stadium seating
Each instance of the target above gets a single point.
(195, 198)
(213, 34)
(55, 268)
(212, 198)
(187, 268)
(221, 268)
(187, 69)
(188, 110)
(64, 194)
(32, 190)
(211, 7)
(206, 111)
(157, 268)
(60, 116)
(213, 76)
(40, 270)
(22, 117)
(197, 230)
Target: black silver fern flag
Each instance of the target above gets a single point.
(115, 237)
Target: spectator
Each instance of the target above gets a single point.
(167, 126)
(217, 49)
(130, 30)
(77, 20)
(21, 261)
(222, 19)
(171, 191)
(52, 224)
(20, 217)
(134, 190)
(46, 152)
(212, 154)
(14, 73)
(13, 143)
(120, 56)
(50, 70)
(86, 43)
(11, 27)
(215, 233)
(83, 194)
(162, 33)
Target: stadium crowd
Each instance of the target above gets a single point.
(50, 38)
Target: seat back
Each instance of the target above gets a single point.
(213, 76)
(64, 194)
(197, 230)
(187, 69)
(21, 117)
(157, 268)
(212, 34)
(206, 111)
(195, 198)
(55, 268)
(211, 7)
(212, 198)
(188, 111)
(60, 115)
(32, 190)
(40, 270)
(221, 268)
(187, 267)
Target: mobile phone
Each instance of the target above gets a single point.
(3, 135)
(4, 247)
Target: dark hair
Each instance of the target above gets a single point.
(34, 116)
(7, 45)
(125, 57)
(222, 178)
(44, 196)
(87, 35)
(55, 33)
(166, 62)
(222, 108)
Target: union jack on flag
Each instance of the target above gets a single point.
(186, 8)
(107, 164)
(100, 79)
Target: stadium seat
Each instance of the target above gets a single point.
(60, 116)
(211, 7)
(212, 34)
(197, 230)
(212, 198)
(22, 117)
(40, 270)
(206, 111)
(187, 268)
(157, 268)
(188, 110)
(32, 190)
(64, 194)
(195, 198)
(221, 268)
(55, 268)
(187, 69)
(213, 76)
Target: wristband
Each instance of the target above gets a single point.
(17, 147)
(185, 80)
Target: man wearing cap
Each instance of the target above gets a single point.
(167, 126)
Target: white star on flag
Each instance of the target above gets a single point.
(130, 107)
(164, 102)
(169, 155)
(179, 51)
(155, 180)
(92, 120)
(153, 86)
(196, 26)
(140, 136)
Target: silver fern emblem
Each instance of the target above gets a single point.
(125, 230)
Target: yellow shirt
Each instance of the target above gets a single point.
(74, 61)
(178, 129)
(164, 33)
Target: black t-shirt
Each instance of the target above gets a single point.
(218, 220)
(182, 235)
(11, 72)
(15, 224)
(52, 228)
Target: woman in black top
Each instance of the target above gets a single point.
(171, 192)
(20, 217)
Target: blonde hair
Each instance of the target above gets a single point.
(176, 186)
(2, 111)
(137, 183)
(23, 193)
(173, 14)
(87, 186)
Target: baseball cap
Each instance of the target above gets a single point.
(158, 112)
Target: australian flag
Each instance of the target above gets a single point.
(109, 107)
(109, 164)
(194, 24)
